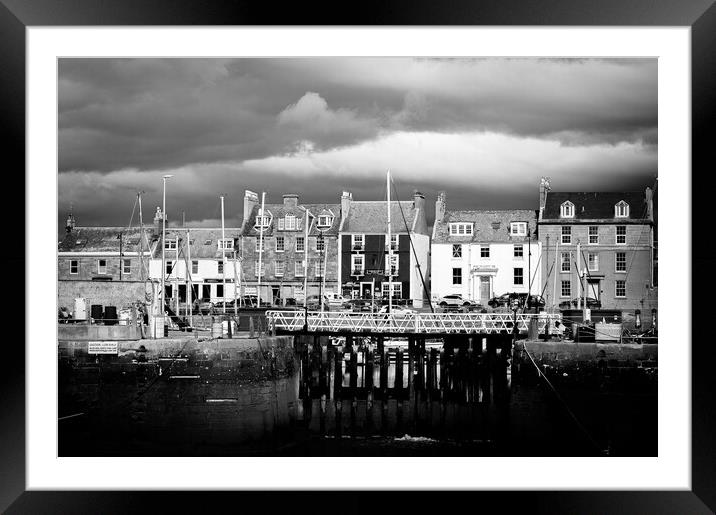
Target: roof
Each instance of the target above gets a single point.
(104, 239)
(277, 211)
(489, 226)
(595, 205)
(198, 238)
(370, 216)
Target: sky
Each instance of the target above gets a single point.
(483, 130)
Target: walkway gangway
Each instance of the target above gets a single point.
(413, 323)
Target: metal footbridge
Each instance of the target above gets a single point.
(339, 322)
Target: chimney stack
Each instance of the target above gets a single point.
(421, 224)
(290, 200)
(70, 224)
(440, 205)
(346, 199)
(251, 199)
(543, 189)
(649, 197)
(158, 220)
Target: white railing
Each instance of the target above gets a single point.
(438, 323)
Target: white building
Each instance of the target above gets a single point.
(481, 254)
(198, 260)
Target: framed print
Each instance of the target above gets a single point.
(412, 250)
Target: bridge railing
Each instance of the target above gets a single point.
(439, 323)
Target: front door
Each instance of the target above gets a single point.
(484, 289)
(365, 290)
(593, 288)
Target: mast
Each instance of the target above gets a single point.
(236, 285)
(305, 259)
(223, 260)
(579, 277)
(189, 286)
(141, 236)
(556, 273)
(390, 250)
(261, 245)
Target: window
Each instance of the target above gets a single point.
(169, 267)
(621, 234)
(393, 242)
(357, 264)
(74, 266)
(519, 276)
(457, 251)
(393, 265)
(457, 275)
(397, 290)
(220, 267)
(621, 210)
(620, 262)
(281, 224)
(290, 222)
(325, 221)
(518, 252)
(592, 261)
(319, 268)
(484, 251)
(566, 262)
(593, 235)
(298, 269)
(279, 268)
(300, 244)
(620, 288)
(461, 229)
(101, 266)
(566, 210)
(256, 269)
(262, 222)
(207, 242)
(518, 228)
(320, 244)
(280, 243)
(220, 291)
(260, 244)
(566, 290)
(357, 242)
(126, 266)
(194, 267)
(170, 244)
(226, 244)
(566, 235)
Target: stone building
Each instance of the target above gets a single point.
(363, 248)
(480, 254)
(601, 242)
(288, 251)
(107, 265)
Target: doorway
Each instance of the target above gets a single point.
(593, 289)
(484, 289)
(205, 291)
(365, 291)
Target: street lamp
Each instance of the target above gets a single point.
(164, 229)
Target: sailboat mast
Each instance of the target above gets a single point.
(261, 245)
(223, 260)
(390, 250)
(141, 236)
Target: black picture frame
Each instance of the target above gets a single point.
(699, 15)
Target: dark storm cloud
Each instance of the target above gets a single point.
(159, 113)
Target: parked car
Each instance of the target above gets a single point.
(219, 306)
(360, 305)
(453, 300)
(592, 303)
(506, 299)
(397, 311)
(314, 303)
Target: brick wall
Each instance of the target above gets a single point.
(107, 293)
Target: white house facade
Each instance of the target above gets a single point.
(481, 254)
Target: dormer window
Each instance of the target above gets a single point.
(170, 244)
(226, 244)
(621, 210)
(566, 210)
(290, 222)
(460, 229)
(262, 222)
(325, 221)
(518, 228)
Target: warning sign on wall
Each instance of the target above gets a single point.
(102, 347)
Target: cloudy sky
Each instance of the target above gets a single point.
(484, 130)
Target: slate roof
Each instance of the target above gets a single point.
(595, 205)
(198, 237)
(370, 216)
(490, 226)
(277, 211)
(104, 239)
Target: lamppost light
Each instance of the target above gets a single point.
(167, 176)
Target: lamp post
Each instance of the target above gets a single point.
(164, 243)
